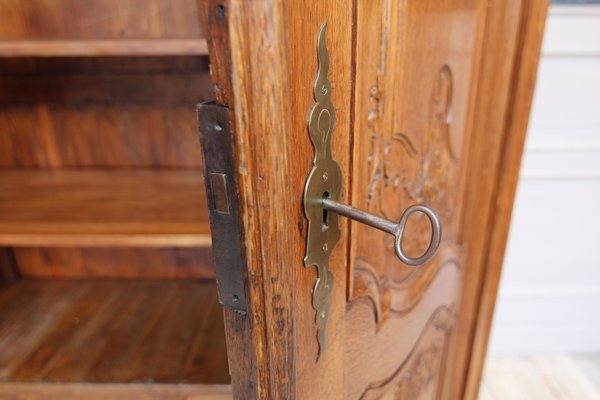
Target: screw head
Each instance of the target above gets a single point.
(325, 247)
(325, 176)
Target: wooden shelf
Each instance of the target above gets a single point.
(121, 391)
(102, 48)
(112, 331)
(103, 208)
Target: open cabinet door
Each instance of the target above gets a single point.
(418, 102)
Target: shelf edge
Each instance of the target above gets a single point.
(102, 48)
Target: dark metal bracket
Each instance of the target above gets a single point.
(222, 195)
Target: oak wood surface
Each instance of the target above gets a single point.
(102, 208)
(528, 46)
(415, 81)
(132, 112)
(111, 391)
(104, 113)
(409, 110)
(497, 65)
(99, 19)
(102, 48)
(421, 99)
(111, 331)
(114, 262)
(9, 269)
(257, 73)
(242, 331)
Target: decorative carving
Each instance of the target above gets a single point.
(433, 175)
(435, 179)
(324, 179)
(390, 297)
(434, 183)
(423, 365)
(422, 372)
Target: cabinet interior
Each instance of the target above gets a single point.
(106, 269)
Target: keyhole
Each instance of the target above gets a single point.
(325, 221)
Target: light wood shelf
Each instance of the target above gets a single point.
(112, 331)
(103, 208)
(102, 391)
(102, 48)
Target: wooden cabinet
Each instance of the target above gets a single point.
(431, 102)
(109, 288)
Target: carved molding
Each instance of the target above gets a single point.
(390, 297)
(386, 167)
(433, 182)
(423, 365)
(436, 178)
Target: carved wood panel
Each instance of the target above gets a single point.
(417, 376)
(414, 89)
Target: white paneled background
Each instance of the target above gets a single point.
(549, 297)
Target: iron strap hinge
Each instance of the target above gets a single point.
(222, 199)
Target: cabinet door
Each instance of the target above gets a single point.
(431, 100)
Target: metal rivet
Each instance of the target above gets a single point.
(325, 176)
(325, 247)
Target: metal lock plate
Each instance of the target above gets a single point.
(321, 200)
(222, 195)
(324, 180)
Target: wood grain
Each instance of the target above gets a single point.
(242, 331)
(103, 208)
(439, 157)
(499, 47)
(541, 376)
(415, 85)
(99, 19)
(9, 269)
(104, 391)
(325, 377)
(255, 65)
(131, 112)
(114, 262)
(112, 331)
(522, 85)
(102, 48)
(408, 112)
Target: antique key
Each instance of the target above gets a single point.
(396, 229)
(322, 192)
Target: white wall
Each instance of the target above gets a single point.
(549, 297)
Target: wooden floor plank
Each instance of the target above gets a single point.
(564, 377)
(509, 378)
(112, 331)
(486, 393)
(537, 376)
(589, 365)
